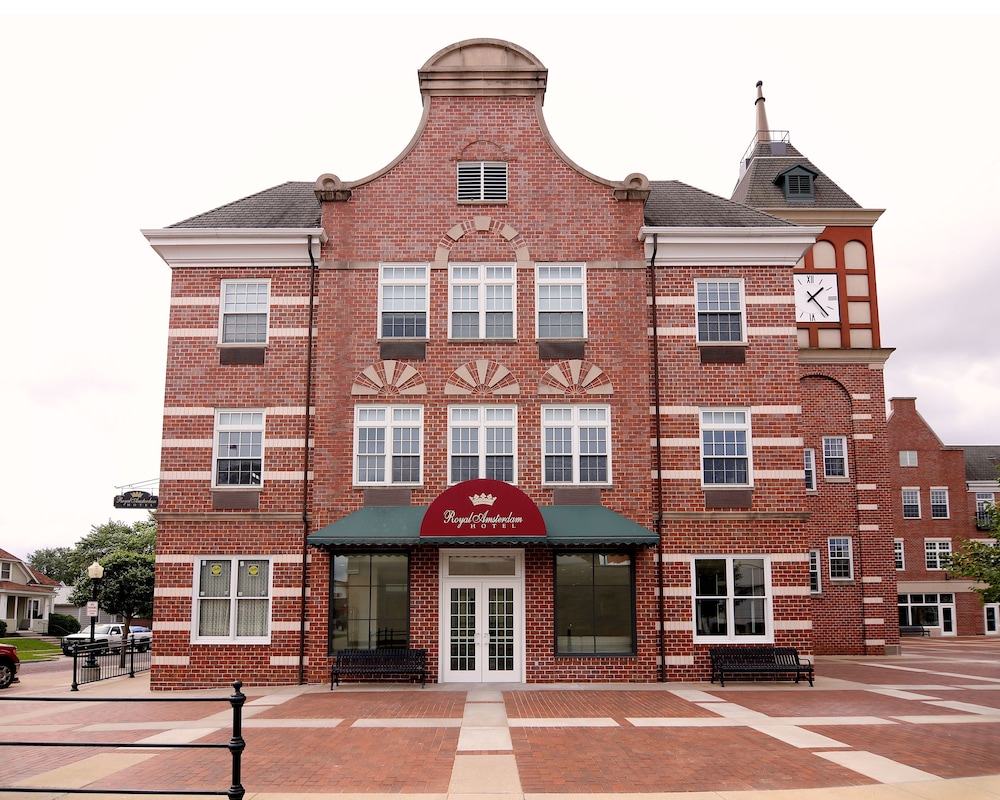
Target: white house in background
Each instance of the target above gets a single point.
(27, 597)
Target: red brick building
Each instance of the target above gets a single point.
(544, 425)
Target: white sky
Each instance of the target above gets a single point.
(112, 122)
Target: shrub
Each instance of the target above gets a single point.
(63, 624)
(3, 628)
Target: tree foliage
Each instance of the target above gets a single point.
(126, 588)
(980, 561)
(54, 562)
(69, 564)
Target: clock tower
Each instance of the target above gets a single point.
(833, 305)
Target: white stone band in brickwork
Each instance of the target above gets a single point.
(793, 625)
(171, 661)
(790, 591)
(173, 591)
(173, 625)
(287, 661)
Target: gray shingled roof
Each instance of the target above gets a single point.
(757, 188)
(675, 204)
(981, 462)
(290, 205)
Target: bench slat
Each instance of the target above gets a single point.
(758, 659)
(379, 662)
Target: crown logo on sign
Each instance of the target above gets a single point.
(483, 499)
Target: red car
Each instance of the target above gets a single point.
(9, 662)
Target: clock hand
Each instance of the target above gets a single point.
(818, 304)
(814, 294)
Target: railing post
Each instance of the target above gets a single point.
(236, 744)
(131, 659)
(74, 687)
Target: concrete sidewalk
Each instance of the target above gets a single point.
(923, 725)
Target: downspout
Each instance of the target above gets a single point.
(662, 677)
(305, 465)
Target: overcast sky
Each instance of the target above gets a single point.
(117, 122)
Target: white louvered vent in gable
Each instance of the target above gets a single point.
(482, 182)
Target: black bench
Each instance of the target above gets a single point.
(381, 662)
(913, 630)
(758, 659)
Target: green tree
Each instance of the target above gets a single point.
(56, 562)
(111, 537)
(980, 561)
(126, 588)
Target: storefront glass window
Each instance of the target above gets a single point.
(370, 601)
(595, 603)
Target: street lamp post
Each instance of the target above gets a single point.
(95, 572)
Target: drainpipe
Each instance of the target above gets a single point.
(305, 466)
(659, 459)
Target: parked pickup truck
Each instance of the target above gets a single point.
(111, 635)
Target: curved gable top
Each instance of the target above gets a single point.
(483, 67)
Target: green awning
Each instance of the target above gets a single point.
(565, 525)
(592, 525)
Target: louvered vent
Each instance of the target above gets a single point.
(799, 184)
(482, 181)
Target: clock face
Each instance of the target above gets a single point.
(816, 297)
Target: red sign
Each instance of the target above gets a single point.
(482, 507)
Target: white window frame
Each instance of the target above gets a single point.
(414, 281)
(937, 553)
(478, 423)
(234, 597)
(828, 459)
(730, 597)
(941, 491)
(250, 424)
(567, 278)
(234, 301)
(480, 304)
(899, 554)
(482, 181)
(815, 572)
(840, 553)
(908, 458)
(809, 464)
(983, 502)
(707, 302)
(393, 418)
(911, 493)
(5, 571)
(725, 421)
(575, 418)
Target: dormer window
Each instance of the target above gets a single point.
(482, 181)
(798, 184)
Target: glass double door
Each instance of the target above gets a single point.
(482, 631)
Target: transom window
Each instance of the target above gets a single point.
(937, 553)
(911, 503)
(576, 444)
(841, 556)
(244, 310)
(239, 448)
(720, 310)
(482, 182)
(594, 603)
(939, 503)
(481, 442)
(732, 598)
(402, 300)
(835, 456)
(725, 447)
(482, 301)
(234, 600)
(388, 445)
(561, 301)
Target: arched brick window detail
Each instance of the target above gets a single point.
(575, 378)
(482, 378)
(479, 225)
(388, 379)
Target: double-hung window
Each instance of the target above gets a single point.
(897, 549)
(243, 312)
(561, 301)
(720, 311)
(402, 300)
(233, 600)
(732, 598)
(481, 301)
(481, 442)
(911, 503)
(576, 444)
(939, 502)
(815, 586)
(238, 448)
(984, 502)
(841, 555)
(725, 447)
(388, 445)
(937, 553)
(482, 181)
(809, 459)
(835, 456)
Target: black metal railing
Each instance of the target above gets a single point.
(96, 661)
(236, 744)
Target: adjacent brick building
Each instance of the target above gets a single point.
(547, 426)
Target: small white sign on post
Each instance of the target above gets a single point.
(91, 608)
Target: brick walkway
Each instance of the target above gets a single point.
(924, 725)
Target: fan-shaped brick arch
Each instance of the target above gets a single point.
(485, 224)
(389, 379)
(482, 378)
(575, 377)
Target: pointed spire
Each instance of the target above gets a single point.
(763, 129)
